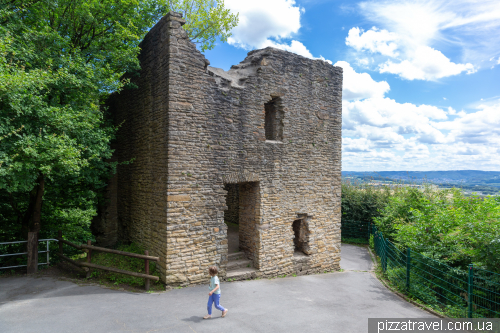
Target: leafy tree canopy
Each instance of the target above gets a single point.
(444, 225)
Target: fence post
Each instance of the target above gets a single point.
(408, 265)
(384, 251)
(89, 257)
(146, 261)
(470, 290)
(32, 252)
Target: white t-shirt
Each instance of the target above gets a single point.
(214, 281)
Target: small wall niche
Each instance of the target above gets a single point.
(274, 119)
(301, 233)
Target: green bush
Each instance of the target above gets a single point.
(361, 202)
(69, 207)
(371, 243)
(404, 202)
(125, 263)
(444, 225)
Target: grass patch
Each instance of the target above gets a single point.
(125, 263)
(233, 225)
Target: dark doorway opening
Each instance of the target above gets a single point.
(241, 216)
(232, 217)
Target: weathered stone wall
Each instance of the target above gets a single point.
(192, 129)
(142, 138)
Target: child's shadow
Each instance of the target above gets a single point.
(194, 319)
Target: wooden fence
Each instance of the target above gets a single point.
(87, 265)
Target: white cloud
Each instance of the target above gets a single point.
(412, 34)
(263, 19)
(425, 136)
(481, 127)
(360, 85)
(364, 62)
(383, 112)
(266, 23)
(469, 24)
(373, 40)
(369, 114)
(414, 62)
(295, 47)
(425, 63)
(356, 145)
(382, 134)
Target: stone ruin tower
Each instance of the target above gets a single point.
(238, 169)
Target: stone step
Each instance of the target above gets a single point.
(240, 263)
(241, 274)
(236, 256)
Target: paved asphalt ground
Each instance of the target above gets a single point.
(334, 302)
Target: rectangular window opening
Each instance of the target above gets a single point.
(274, 119)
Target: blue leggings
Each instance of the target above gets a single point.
(215, 298)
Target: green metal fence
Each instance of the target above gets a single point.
(473, 294)
(355, 229)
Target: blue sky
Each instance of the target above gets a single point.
(421, 78)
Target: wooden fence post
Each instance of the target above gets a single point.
(32, 252)
(146, 270)
(89, 257)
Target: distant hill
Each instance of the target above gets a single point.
(486, 181)
(437, 176)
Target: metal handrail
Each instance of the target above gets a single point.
(21, 253)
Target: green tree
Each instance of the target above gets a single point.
(59, 61)
(362, 202)
(444, 225)
(206, 20)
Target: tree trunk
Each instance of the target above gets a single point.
(37, 212)
(31, 224)
(32, 252)
(32, 216)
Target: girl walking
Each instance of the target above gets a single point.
(214, 294)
